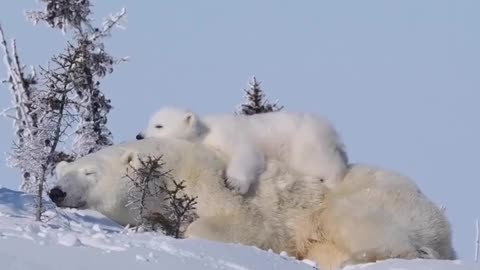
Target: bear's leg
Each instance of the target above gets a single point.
(228, 229)
(327, 256)
(209, 228)
(246, 164)
(375, 255)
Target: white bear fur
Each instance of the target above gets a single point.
(97, 181)
(264, 219)
(308, 143)
(372, 212)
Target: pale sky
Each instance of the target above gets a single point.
(399, 79)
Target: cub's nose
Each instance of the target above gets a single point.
(57, 195)
(140, 136)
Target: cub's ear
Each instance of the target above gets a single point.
(190, 118)
(130, 158)
(60, 168)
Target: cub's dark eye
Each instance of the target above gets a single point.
(158, 126)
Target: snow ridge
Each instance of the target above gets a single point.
(85, 239)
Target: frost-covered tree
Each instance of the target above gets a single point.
(90, 63)
(256, 101)
(40, 119)
(47, 106)
(144, 191)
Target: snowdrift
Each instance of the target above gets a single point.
(83, 239)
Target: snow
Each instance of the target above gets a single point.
(85, 239)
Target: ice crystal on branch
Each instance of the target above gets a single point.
(62, 14)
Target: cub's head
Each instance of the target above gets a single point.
(171, 122)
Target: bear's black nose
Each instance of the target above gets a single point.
(140, 136)
(57, 195)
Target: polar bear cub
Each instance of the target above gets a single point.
(307, 143)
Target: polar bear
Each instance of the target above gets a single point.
(373, 214)
(306, 142)
(98, 181)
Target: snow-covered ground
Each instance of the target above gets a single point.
(73, 239)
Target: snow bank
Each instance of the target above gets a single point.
(73, 239)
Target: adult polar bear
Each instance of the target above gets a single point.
(285, 212)
(306, 142)
(97, 181)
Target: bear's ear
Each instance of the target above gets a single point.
(60, 168)
(130, 158)
(190, 119)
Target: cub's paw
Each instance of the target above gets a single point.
(237, 185)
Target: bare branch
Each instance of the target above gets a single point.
(108, 24)
(477, 239)
(16, 79)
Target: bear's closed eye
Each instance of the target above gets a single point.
(158, 126)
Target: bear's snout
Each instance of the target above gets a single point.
(57, 195)
(140, 136)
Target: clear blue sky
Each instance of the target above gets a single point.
(399, 79)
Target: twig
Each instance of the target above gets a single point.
(477, 240)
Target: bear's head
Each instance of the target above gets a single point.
(98, 181)
(171, 122)
(94, 180)
(74, 183)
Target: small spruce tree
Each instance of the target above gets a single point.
(144, 190)
(150, 182)
(256, 101)
(182, 208)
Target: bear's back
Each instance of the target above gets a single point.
(398, 199)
